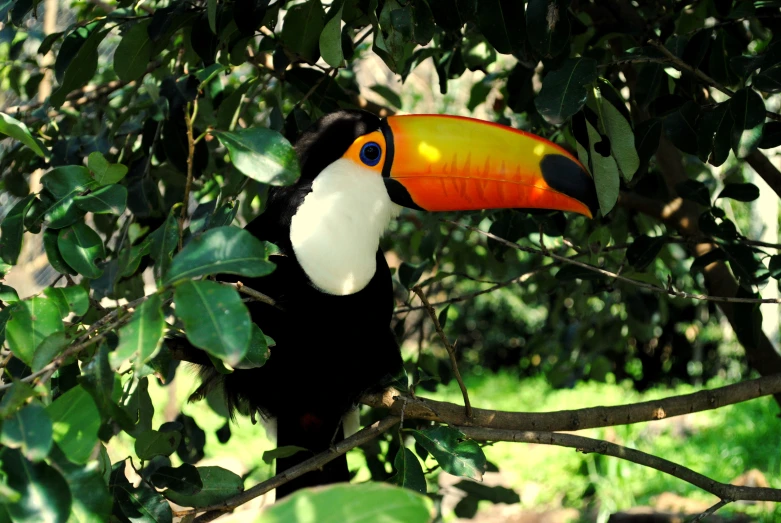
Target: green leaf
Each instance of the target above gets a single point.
(455, 454)
(747, 108)
(257, 352)
(360, 503)
(105, 173)
(281, 452)
(76, 422)
(184, 479)
(12, 230)
(77, 298)
(31, 321)
(409, 473)
(30, 430)
(769, 80)
(64, 183)
(388, 94)
(226, 250)
(81, 68)
(163, 242)
(48, 349)
(331, 36)
(548, 26)
(622, 139)
(742, 192)
(644, 250)
(91, 498)
(302, 27)
(503, 23)
(153, 443)
(393, 34)
(211, 13)
(409, 274)
(8, 294)
(215, 319)
(133, 53)
(15, 398)
(142, 504)
(262, 154)
(142, 337)
(680, 127)
(218, 485)
(110, 199)
(81, 248)
(605, 172)
(564, 90)
(44, 493)
(56, 260)
(18, 131)
(771, 135)
(695, 191)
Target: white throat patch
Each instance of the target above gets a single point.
(336, 230)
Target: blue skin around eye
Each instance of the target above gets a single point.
(370, 161)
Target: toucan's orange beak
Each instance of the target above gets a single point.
(451, 163)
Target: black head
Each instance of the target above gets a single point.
(330, 137)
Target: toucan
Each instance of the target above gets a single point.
(332, 285)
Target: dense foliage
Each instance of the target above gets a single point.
(142, 135)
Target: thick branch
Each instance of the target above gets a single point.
(723, 490)
(766, 170)
(579, 419)
(313, 463)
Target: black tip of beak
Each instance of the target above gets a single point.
(568, 177)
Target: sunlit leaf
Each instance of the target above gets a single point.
(76, 421)
(30, 430)
(18, 131)
(140, 340)
(81, 248)
(262, 154)
(44, 493)
(454, 453)
(153, 443)
(110, 199)
(31, 321)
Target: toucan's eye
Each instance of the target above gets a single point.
(370, 153)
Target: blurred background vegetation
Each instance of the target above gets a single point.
(116, 77)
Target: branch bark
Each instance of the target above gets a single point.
(578, 419)
(765, 168)
(586, 445)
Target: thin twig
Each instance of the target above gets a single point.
(188, 119)
(710, 511)
(683, 66)
(587, 445)
(257, 296)
(359, 438)
(450, 349)
(647, 286)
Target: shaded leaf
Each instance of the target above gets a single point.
(455, 454)
(184, 479)
(302, 28)
(647, 136)
(680, 127)
(31, 321)
(331, 36)
(564, 91)
(747, 108)
(12, 230)
(257, 351)
(80, 69)
(30, 430)
(769, 80)
(110, 199)
(133, 53)
(695, 191)
(56, 260)
(81, 248)
(644, 250)
(409, 473)
(153, 443)
(605, 172)
(137, 503)
(44, 494)
(91, 500)
(548, 26)
(742, 192)
(215, 319)
(218, 485)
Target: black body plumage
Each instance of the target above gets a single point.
(329, 349)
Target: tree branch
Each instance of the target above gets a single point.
(359, 438)
(765, 169)
(647, 286)
(450, 349)
(579, 419)
(586, 445)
